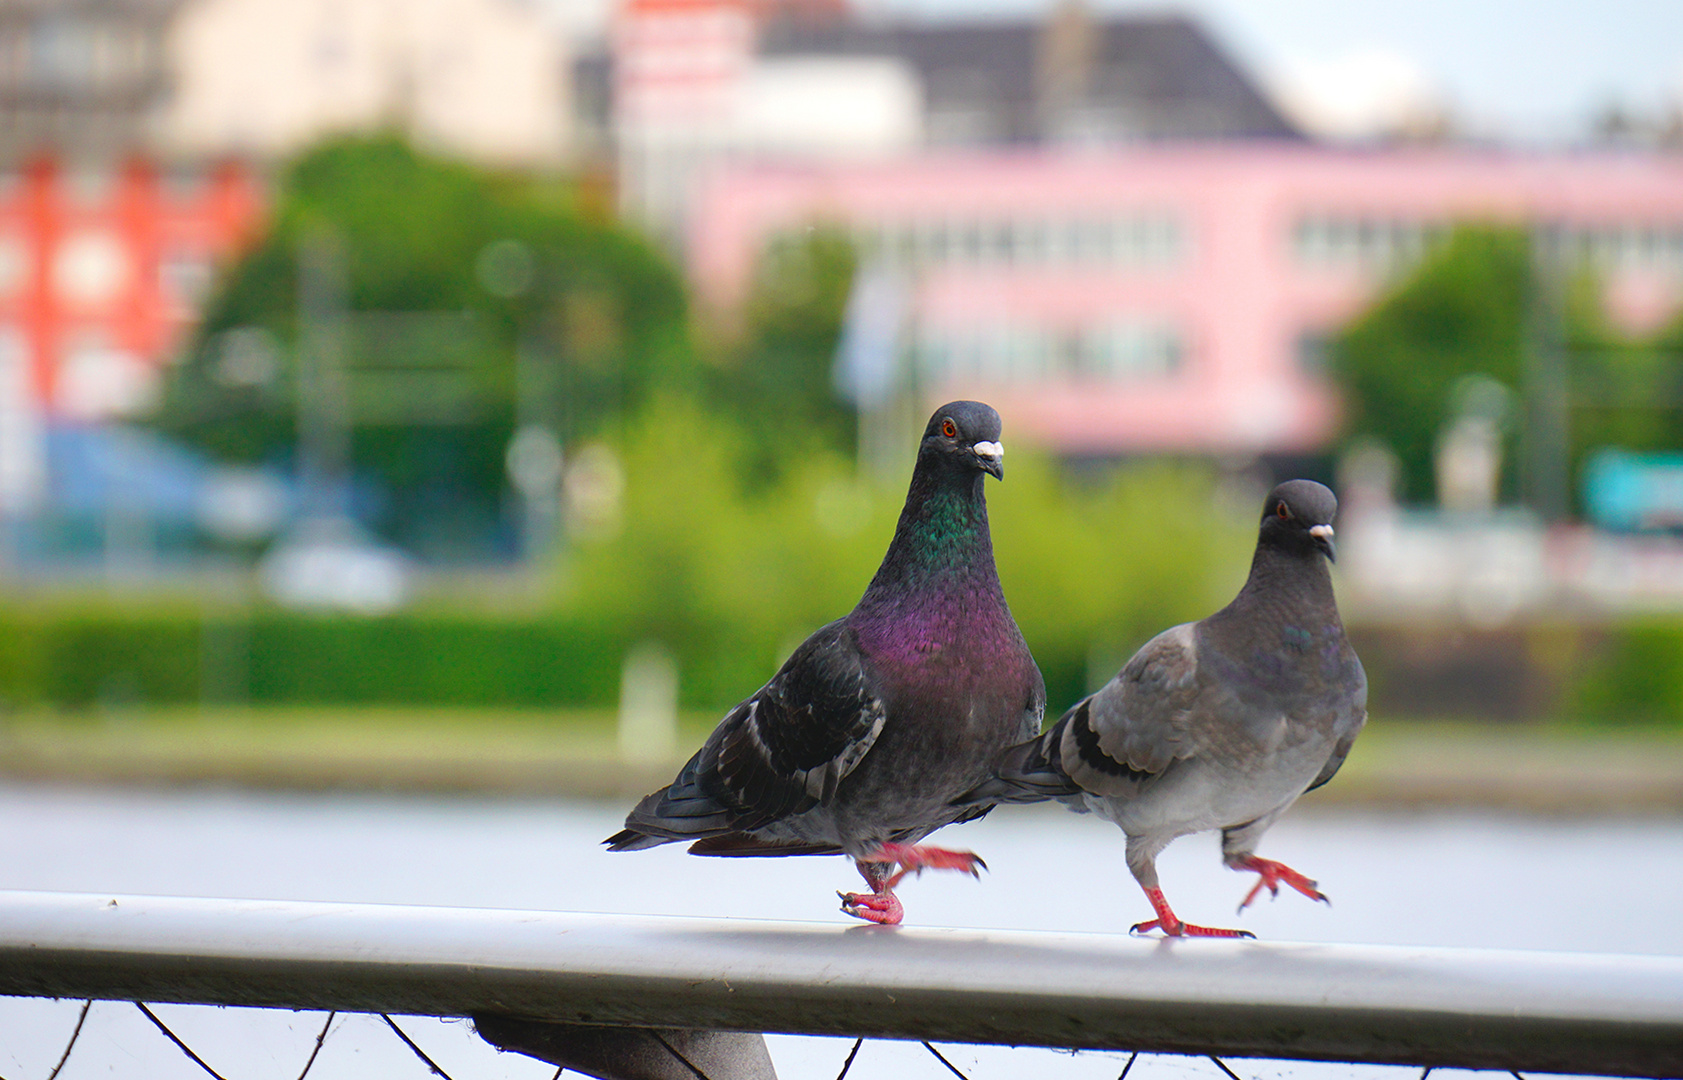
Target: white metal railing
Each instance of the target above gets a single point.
(1548, 1012)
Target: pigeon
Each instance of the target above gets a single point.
(864, 737)
(1217, 724)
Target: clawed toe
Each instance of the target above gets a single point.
(1189, 930)
(1171, 925)
(881, 908)
(1273, 874)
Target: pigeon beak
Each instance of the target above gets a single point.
(991, 457)
(1323, 540)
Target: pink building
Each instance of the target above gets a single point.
(1177, 298)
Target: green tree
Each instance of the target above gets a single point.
(1626, 391)
(776, 377)
(1465, 311)
(1462, 312)
(505, 264)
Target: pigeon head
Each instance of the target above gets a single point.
(965, 434)
(1298, 518)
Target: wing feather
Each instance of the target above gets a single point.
(1120, 739)
(781, 752)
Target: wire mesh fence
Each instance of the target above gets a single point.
(59, 1039)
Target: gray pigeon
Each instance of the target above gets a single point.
(1218, 724)
(861, 741)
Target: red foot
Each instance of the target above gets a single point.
(1273, 874)
(915, 859)
(1171, 925)
(880, 905)
(882, 908)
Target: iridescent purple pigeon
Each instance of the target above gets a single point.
(861, 741)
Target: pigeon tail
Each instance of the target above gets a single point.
(632, 840)
(1026, 773)
(669, 816)
(744, 845)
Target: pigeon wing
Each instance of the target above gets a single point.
(1118, 740)
(781, 752)
(804, 732)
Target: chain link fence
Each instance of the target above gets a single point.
(47, 1039)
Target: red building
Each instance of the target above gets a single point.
(101, 275)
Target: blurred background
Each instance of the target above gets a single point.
(486, 393)
(409, 402)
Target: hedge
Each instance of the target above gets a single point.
(1635, 675)
(84, 657)
(77, 656)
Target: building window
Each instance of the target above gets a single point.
(1148, 240)
(97, 381)
(1012, 352)
(1314, 353)
(1369, 244)
(90, 267)
(185, 277)
(1134, 349)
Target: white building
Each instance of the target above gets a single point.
(482, 79)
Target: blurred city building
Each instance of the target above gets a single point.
(84, 78)
(134, 136)
(102, 273)
(696, 83)
(481, 79)
(1177, 298)
(98, 79)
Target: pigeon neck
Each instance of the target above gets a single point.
(1298, 580)
(942, 535)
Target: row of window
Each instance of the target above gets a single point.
(1158, 240)
(1624, 247)
(1388, 244)
(65, 51)
(1140, 240)
(94, 267)
(1019, 353)
(1370, 243)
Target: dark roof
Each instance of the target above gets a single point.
(1076, 77)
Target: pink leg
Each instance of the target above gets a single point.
(881, 908)
(1171, 925)
(1273, 873)
(915, 859)
(880, 905)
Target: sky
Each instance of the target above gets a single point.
(1526, 70)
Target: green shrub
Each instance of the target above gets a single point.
(80, 656)
(1635, 676)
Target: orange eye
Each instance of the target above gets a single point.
(1282, 512)
(949, 429)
